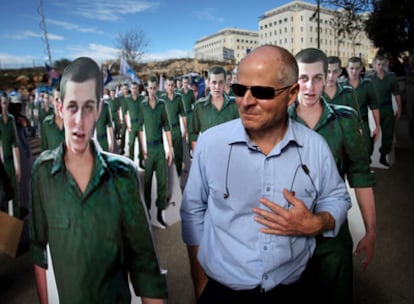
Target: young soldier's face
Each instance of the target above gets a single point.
(79, 111)
(216, 84)
(353, 69)
(152, 89)
(380, 66)
(134, 90)
(311, 82)
(333, 74)
(125, 90)
(185, 83)
(170, 86)
(4, 104)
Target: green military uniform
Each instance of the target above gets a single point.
(42, 113)
(133, 108)
(366, 99)
(155, 119)
(123, 105)
(8, 138)
(331, 265)
(206, 115)
(114, 105)
(103, 122)
(175, 109)
(96, 237)
(384, 88)
(345, 95)
(188, 101)
(51, 136)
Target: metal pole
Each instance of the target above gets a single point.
(318, 20)
(43, 27)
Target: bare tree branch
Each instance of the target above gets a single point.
(132, 45)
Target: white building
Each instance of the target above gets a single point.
(294, 27)
(229, 44)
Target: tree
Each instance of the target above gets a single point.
(349, 19)
(132, 45)
(391, 26)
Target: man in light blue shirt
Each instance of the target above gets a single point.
(258, 166)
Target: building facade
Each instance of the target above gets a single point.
(294, 26)
(229, 44)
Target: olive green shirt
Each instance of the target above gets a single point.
(103, 122)
(384, 88)
(188, 100)
(206, 115)
(114, 104)
(133, 108)
(123, 104)
(175, 109)
(51, 136)
(96, 237)
(340, 126)
(365, 96)
(344, 95)
(155, 119)
(42, 113)
(8, 138)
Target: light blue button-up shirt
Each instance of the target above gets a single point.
(232, 250)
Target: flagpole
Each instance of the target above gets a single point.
(43, 27)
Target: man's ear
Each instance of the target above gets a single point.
(293, 93)
(60, 108)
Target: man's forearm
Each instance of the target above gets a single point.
(197, 272)
(324, 221)
(40, 277)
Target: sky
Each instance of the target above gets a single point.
(90, 27)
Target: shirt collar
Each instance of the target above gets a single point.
(239, 135)
(226, 98)
(100, 165)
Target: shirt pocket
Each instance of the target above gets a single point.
(61, 223)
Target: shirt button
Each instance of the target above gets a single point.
(265, 277)
(265, 247)
(268, 189)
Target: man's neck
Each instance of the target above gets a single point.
(152, 101)
(217, 101)
(267, 139)
(354, 82)
(331, 90)
(310, 114)
(380, 74)
(58, 121)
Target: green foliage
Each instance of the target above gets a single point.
(391, 26)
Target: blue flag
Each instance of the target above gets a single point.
(107, 75)
(126, 70)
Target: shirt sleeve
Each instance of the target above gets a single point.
(37, 223)
(333, 195)
(141, 257)
(194, 203)
(356, 154)
(372, 98)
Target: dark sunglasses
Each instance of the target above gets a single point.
(257, 91)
